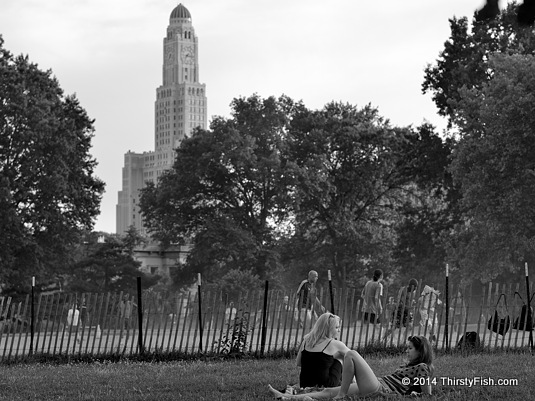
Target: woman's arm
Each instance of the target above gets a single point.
(424, 371)
(426, 389)
(298, 359)
(341, 350)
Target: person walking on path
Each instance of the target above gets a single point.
(371, 295)
(403, 316)
(307, 300)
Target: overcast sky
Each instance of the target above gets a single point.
(109, 52)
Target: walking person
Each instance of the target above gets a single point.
(458, 314)
(285, 312)
(307, 300)
(403, 316)
(371, 295)
(73, 321)
(125, 315)
(427, 302)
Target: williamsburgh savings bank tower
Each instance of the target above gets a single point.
(180, 106)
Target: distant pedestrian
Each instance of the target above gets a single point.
(309, 306)
(125, 317)
(230, 313)
(427, 302)
(73, 316)
(371, 295)
(403, 316)
(285, 312)
(84, 314)
(390, 307)
(125, 312)
(73, 320)
(458, 312)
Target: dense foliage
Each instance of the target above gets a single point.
(106, 263)
(464, 61)
(484, 82)
(229, 191)
(494, 164)
(278, 189)
(48, 191)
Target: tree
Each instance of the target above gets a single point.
(490, 165)
(48, 192)
(132, 239)
(228, 191)
(494, 164)
(107, 266)
(433, 208)
(464, 62)
(351, 176)
(235, 283)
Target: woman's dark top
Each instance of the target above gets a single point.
(319, 369)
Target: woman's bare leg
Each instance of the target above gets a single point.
(326, 393)
(355, 365)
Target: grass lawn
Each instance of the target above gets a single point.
(244, 379)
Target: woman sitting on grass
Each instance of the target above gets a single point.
(420, 365)
(321, 355)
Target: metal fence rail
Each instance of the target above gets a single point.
(108, 323)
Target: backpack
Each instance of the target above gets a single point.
(469, 340)
(520, 321)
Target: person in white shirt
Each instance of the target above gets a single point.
(371, 295)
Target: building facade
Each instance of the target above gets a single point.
(180, 107)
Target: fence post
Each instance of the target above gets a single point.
(32, 318)
(264, 319)
(529, 317)
(200, 310)
(446, 337)
(140, 316)
(331, 291)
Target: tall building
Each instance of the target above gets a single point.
(180, 106)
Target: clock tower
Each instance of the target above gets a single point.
(180, 107)
(180, 62)
(180, 101)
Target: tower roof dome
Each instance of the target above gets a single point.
(180, 12)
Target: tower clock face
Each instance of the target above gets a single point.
(187, 55)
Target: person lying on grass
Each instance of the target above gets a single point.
(405, 380)
(321, 355)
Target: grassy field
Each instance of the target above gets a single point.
(244, 379)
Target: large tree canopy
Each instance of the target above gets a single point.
(278, 189)
(229, 190)
(356, 173)
(47, 188)
(494, 164)
(350, 175)
(433, 208)
(483, 82)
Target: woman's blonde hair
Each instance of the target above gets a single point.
(325, 327)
